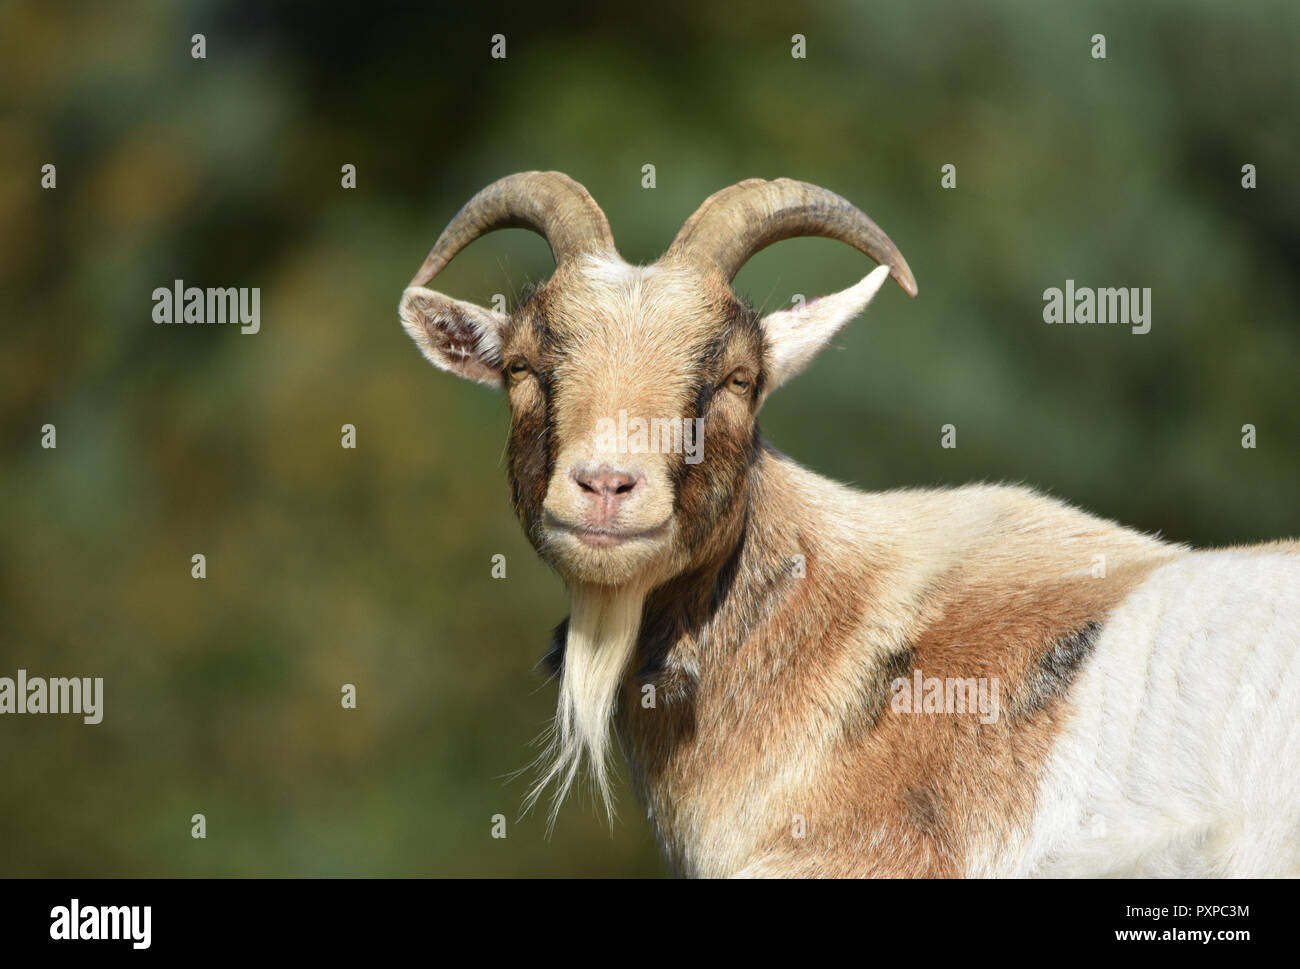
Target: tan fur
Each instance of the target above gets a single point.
(776, 723)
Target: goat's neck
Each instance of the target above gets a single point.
(738, 578)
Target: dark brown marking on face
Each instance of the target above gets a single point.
(709, 358)
(531, 448)
(528, 454)
(535, 310)
(708, 493)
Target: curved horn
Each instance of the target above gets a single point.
(737, 222)
(550, 203)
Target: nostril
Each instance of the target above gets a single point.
(606, 482)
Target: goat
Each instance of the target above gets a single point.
(754, 632)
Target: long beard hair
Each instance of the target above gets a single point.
(603, 627)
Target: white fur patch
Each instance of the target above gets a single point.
(1182, 757)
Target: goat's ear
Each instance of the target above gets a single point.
(463, 338)
(794, 336)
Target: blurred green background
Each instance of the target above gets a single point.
(372, 566)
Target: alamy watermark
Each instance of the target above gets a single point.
(58, 694)
(952, 694)
(190, 304)
(1083, 304)
(659, 435)
(75, 922)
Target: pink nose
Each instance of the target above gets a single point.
(605, 488)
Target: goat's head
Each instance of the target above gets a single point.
(633, 393)
(633, 390)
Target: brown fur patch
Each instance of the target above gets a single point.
(786, 717)
(922, 809)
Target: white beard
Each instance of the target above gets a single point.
(603, 627)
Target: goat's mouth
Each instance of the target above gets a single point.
(606, 537)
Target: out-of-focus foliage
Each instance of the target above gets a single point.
(372, 566)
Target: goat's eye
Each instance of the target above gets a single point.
(739, 382)
(518, 370)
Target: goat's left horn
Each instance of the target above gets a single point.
(549, 203)
(737, 222)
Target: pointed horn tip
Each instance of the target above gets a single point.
(903, 275)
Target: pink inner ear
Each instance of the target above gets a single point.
(452, 339)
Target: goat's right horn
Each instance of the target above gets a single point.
(736, 222)
(549, 203)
